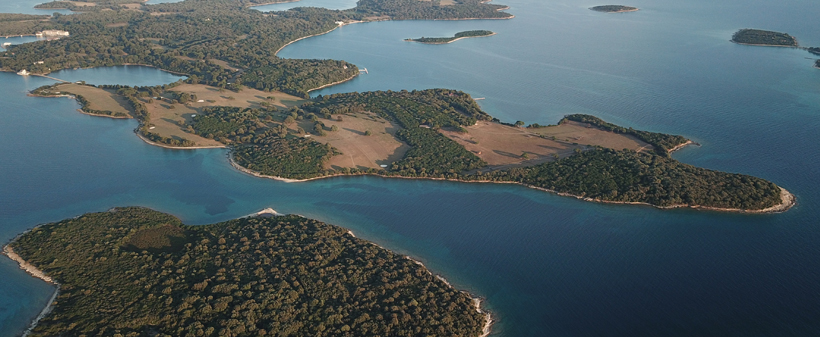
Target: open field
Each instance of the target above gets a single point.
(503, 146)
(98, 99)
(171, 123)
(247, 98)
(586, 134)
(359, 150)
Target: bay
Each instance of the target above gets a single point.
(547, 265)
(329, 4)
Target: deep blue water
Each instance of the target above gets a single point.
(17, 40)
(547, 265)
(329, 4)
(125, 75)
(27, 7)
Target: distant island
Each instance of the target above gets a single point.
(133, 271)
(458, 36)
(757, 37)
(614, 9)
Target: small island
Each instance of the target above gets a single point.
(458, 36)
(133, 271)
(614, 9)
(756, 37)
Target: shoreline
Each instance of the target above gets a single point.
(764, 45)
(171, 147)
(453, 40)
(787, 199)
(335, 83)
(33, 271)
(680, 146)
(618, 11)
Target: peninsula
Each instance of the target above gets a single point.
(614, 9)
(458, 36)
(756, 37)
(133, 271)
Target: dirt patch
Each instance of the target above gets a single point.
(115, 25)
(358, 149)
(586, 134)
(98, 99)
(223, 64)
(173, 122)
(247, 98)
(503, 146)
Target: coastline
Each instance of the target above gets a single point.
(335, 83)
(787, 199)
(688, 142)
(619, 11)
(764, 45)
(453, 40)
(33, 271)
(150, 142)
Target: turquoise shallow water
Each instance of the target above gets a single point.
(547, 265)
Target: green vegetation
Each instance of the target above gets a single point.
(662, 142)
(460, 35)
(628, 176)
(614, 9)
(814, 50)
(138, 272)
(764, 37)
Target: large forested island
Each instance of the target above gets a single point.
(137, 272)
(614, 9)
(458, 36)
(759, 37)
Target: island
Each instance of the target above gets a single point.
(133, 271)
(428, 134)
(458, 36)
(614, 9)
(756, 37)
(814, 50)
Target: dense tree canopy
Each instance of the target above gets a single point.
(764, 37)
(138, 272)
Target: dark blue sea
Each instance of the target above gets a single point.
(546, 265)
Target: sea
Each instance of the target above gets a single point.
(544, 265)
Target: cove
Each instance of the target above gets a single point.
(123, 75)
(329, 4)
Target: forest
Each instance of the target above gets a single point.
(459, 35)
(613, 8)
(629, 176)
(764, 37)
(133, 271)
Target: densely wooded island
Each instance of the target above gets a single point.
(759, 37)
(614, 9)
(458, 36)
(135, 272)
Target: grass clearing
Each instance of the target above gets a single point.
(585, 134)
(247, 98)
(359, 150)
(503, 146)
(173, 122)
(98, 99)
